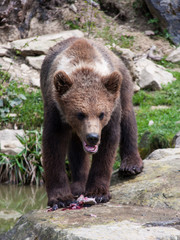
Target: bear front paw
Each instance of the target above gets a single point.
(100, 193)
(77, 188)
(100, 198)
(131, 166)
(59, 200)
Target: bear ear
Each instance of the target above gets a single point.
(113, 82)
(62, 82)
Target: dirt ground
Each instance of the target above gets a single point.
(22, 19)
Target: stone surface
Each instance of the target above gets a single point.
(35, 62)
(107, 221)
(3, 51)
(158, 184)
(149, 33)
(9, 144)
(176, 140)
(150, 75)
(39, 27)
(150, 211)
(174, 56)
(168, 13)
(20, 71)
(40, 45)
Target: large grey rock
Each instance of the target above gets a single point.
(158, 184)
(3, 51)
(107, 222)
(40, 45)
(174, 56)
(150, 211)
(20, 71)
(9, 144)
(168, 12)
(150, 75)
(35, 62)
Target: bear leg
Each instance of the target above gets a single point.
(131, 162)
(55, 144)
(100, 173)
(79, 164)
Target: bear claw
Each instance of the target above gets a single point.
(129, 171)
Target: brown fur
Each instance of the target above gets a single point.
(81, 77)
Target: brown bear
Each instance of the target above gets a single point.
(87, 95)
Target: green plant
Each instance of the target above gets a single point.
(164, 118)
(112, 38)
(25, 167)
(153, 21)
(73, 24)
(20, 106)
(4, 76)
(137, 4)
(169, 65)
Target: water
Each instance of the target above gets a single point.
(17, 200)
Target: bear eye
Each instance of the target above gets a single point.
(81, 116)
(101, 116)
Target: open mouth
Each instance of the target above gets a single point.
(90, 148)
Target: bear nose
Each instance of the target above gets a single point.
(92, 138)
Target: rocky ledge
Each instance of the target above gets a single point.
(150, 210)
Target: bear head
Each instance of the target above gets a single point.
(87, 100)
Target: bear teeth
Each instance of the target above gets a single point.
(90, 149)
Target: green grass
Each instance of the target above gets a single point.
(164, 119)
(169, 65)
(112, 38)
(26, 106)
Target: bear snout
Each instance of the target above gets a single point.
(92, 138)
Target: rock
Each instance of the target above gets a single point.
(40, 45)
(39, 27)
(127, 56)
(136, 88)
(24, 67)
(160, 154)
(126, 53)
(174, 56)
(73, 8)
(3, 51)
(118, 9)
(107, 221)
(169, 16)
(35, 62)
(150, 75)
(150, 211)
(9, 33)
(35, 82)
(9, 144)
(176, 140)
(20, 71)
(149, 33)
(157, 186)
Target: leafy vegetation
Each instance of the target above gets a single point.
(16, 101)
(25, 167)
(112, 39)
(164, 118)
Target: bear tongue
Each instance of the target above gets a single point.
(90, 149)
